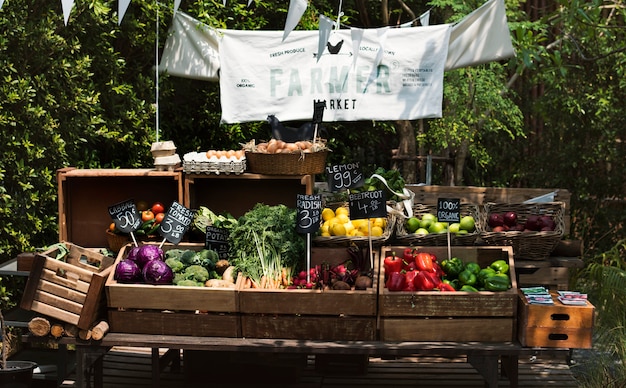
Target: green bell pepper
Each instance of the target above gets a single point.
(484, 274)
(500, 266)
(468, 288)
(473, 268)
(497, 282)
(452, 267)
(454, 283)
(467, 278)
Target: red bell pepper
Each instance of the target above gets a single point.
(410, 278)
(407, 255)
(392, 263)
(423, 282)
(445, 287)
(424, 261)
(438, 270)
(396, 281)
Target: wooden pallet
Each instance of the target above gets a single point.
(131, 367)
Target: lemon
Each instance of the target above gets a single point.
(349, 227)
(339, 230)
(324, 228)
(342, 210)
(327, 214)
(342, 218)
(325, 234)
(377, 231)
(380, 222)
(364, 228)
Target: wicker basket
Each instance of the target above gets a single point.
(526, 245)
(358, 240)
(298, 163)
(116, 241)
(436, 239)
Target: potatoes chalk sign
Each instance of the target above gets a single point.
(217, 239)
(309, 215)
(125, 215)
(368, 204)
(344, 176)
(448, 210)
(175, 223)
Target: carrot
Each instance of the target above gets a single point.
(253, 284)
(263, 281)
(248, 283)
(283, 277)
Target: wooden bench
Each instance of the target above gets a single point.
(483, 356)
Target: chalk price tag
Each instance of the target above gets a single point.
(309, 215)
(448, 210)
(368, 204)
(344, 176)
(175, 223)
(126, 216)
(217, 239)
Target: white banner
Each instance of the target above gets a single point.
(397, 74)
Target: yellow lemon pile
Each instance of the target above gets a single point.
(338, 223)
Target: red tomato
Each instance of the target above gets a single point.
(157, 208)
(147, 215)
(159, 217)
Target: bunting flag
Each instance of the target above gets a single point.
(480, 37)
(67, 6)
(122, 6)
(325, 26)
(261, 75)
(425, 18)
(1, 3)
(296, 10)
(176, 5)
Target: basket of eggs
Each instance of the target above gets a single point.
(277, 157)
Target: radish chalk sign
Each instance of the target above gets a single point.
(125, 215)
(448, 210)
(309, 215)
(175, 223)
(368, 204)
(344, 176)
(217, 239)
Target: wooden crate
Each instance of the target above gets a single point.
(170, 309)
(555, 326)
(450, 316)
(311, 314)
(72, 290)
(84, 196)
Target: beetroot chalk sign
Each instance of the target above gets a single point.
(368, 204)
(175, 223)
(125, 215)
(344, 176)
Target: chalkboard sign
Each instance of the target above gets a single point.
(175, 223)
(344, 176)
(368, 204)
(126, 216)
(318, 111)
(217, 240)
(309, 213)
(448, 210)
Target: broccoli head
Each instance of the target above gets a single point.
(197, 273)
(189, 283)
(175, 264)
(188, 257)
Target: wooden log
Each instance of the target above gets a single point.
(568, 248)
(56, 330)
(70, 330)
(39, 326)
(99, 330)
(84, 334)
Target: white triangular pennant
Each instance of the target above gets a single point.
(176, 5)
(296, 10)
(326, 24)
(122, 6)
(1, 2)
(357, 38)
(425, 18)
(249, 2)
(67, 8)
(407, 24)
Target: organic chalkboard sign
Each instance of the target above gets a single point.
(175, 223)
(368, 204)
(309, 213)
(126, 216)
(448, 210)
(217, 240)
(344, 176)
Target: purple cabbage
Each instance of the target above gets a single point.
(127, 271)
(157, 272)
(132, 253)
(147, 253)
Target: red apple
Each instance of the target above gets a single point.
(495, 219)
(510, 218)
(532, 222)
(546, 223)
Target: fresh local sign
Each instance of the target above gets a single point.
(388, 73)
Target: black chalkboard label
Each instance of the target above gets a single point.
(318, 111)
(126, 216)
(368, 204)
(217, 240)
(175, 223)
(344, 176)
(309, 213)
(448, 210)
